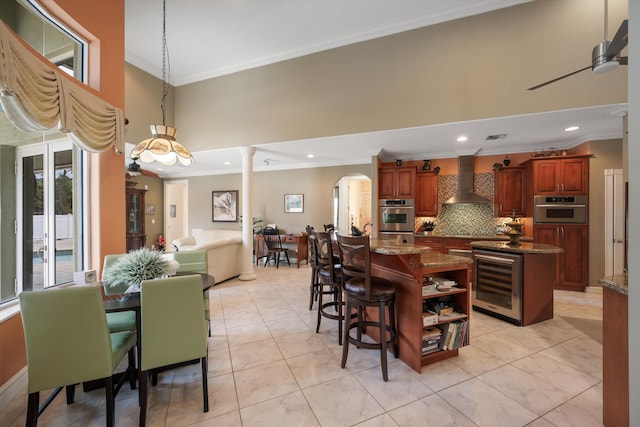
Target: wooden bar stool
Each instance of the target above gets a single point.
(363, 290)
(313, 262)
(330, 283)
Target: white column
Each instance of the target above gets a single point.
(246, 271)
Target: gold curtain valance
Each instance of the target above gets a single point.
(36, 96)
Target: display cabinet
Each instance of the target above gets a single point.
(136, 237)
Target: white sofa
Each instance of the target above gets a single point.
(224, 250)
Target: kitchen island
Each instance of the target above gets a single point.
(531, 287)
(407, 266)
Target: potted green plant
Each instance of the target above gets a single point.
(138, 265)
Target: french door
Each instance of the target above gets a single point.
(46, 224)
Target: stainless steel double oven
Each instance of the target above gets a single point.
(397, 220)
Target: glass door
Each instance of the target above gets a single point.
(47, 225)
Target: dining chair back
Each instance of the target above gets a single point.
(173, 329)
(120, 320)
(68, 342)
(195, 262)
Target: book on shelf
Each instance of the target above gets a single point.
(454, 335)
(441, 282)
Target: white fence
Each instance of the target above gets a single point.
(64, 227)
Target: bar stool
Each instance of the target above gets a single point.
(363, 290)
(313, 262)
(330, 283)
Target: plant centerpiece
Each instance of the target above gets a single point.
(138, 265)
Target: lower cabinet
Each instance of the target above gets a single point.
(572, 269)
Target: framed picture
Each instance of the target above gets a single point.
(150, 210)
(172, 211)
(293, 203)
(225, 206)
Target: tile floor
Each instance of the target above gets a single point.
(268, 367)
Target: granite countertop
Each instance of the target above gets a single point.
(468, 236)
(523, 248)
(437, 260)
(386, 247)
(617, 282)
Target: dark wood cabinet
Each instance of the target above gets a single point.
(571, 266)
(136, 237)
(426, 194)
(566, 175)
(397, 183)
(510, 195)
(435, 243)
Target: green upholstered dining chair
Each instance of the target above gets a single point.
(121, 320)
(195, 262)
(173, 329)
(68, 342)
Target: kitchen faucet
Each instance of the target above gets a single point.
(364, 229)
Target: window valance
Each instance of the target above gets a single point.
(37, 96)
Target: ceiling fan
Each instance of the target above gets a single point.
(606, 55)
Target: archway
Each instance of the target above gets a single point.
(352, 203)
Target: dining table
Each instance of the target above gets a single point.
(131, 302)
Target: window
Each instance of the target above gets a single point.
(41, 194)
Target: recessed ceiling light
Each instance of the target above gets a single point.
(227, 163)
(571, 128)
(310, 156)
(462, 138)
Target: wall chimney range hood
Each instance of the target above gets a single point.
(465, 194)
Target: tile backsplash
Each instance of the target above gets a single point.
(476, 220)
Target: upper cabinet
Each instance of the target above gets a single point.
(426, 193)
(561, 176)
(510, 191)
(397, 183)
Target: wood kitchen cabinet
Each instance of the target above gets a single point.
(397, 183)
(435, 243)
(571, 266)
(426, 194)
(136, 237)
(568, 175)
(510, 191)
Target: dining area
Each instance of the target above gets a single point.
(148, 314)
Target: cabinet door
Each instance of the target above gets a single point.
(426, 194)
(574, 176)
(573, 261)
(435, 243)
(545, 174)
(386, 186)
(406, 183)
(510, 192)
(397, 183)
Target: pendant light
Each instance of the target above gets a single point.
(162, 146)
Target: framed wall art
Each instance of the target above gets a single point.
(293, 203)
(225, 206)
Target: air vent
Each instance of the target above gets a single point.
(496, 136)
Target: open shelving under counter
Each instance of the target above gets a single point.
(407, 266)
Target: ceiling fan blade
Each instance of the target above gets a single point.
(619, 41)
(558, 78)
(624, 60)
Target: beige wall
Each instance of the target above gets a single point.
(467, 69)
(607, 154)
(269, 189)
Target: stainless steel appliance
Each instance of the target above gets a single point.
(560, 209)
(396, 215)
(498, 284)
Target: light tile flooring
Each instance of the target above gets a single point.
(268, 367)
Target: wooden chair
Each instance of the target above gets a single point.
(68, 342)
(274, 246)
(363, 290)
(313, 262)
